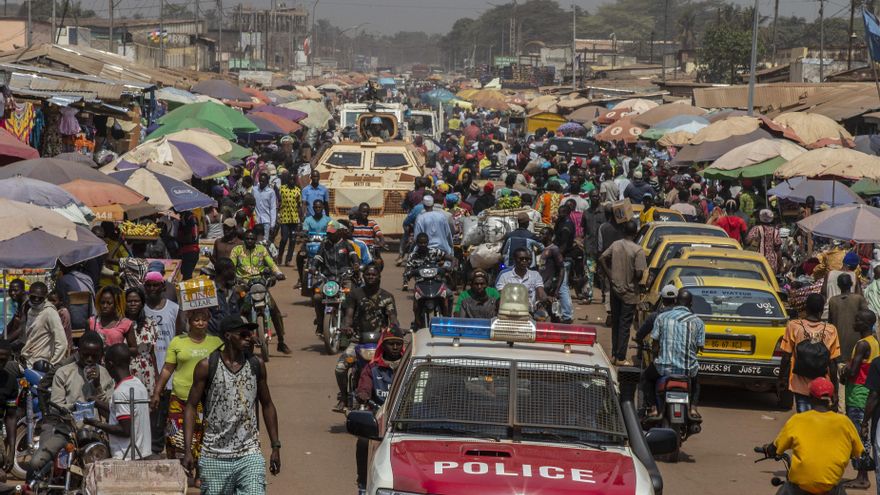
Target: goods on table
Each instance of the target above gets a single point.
(509, 202)
(131, 229)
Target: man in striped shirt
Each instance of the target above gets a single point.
(365, 229)
(678, 336)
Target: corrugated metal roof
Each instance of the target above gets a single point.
(768, 97)
(88, 90)
(844, 101)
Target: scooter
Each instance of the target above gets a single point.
(430, 292)
(332, 296)
(26, 430)
(363, 352)
(311, 247)
(256, 304)
(786, 461)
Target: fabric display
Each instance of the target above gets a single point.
(20, 120)
(69, 126)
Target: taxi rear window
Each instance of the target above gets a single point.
(345, 159)
(658, 233)
(734, 302)
(673, 250)
(755, 263)
(389, 160)
(708, 271)
(542, 401)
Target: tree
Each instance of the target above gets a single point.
(41, 10)
(726, 51)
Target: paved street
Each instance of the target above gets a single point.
(318, 455)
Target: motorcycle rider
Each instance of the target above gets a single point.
(366, 230)
(336, 259)
(315, 224)
(422, 255)
(373, 386)
(8, 398)
(367, 308)
(252, 260)
(678, 336)
(668, 295)
(822, 443)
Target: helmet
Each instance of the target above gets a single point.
(376, 120)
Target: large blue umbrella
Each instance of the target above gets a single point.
(687, 123)
(436, 96)
(162, 191)
(830, 192)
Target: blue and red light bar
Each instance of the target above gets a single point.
(512, 331)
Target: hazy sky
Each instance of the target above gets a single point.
(437, 16)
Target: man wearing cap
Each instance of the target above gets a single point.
(223, 245)
(436, 224)
(231, 458)
(822, 443)
(338, 259)
(486, 199)
(638, 189)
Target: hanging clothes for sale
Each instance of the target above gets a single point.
(52, 141)
(39, 126)
(68, 126)
(20, 121)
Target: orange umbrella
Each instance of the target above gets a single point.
(286, 125)
(94, 194)
(623, 130)
(613, 115)
(256, 93)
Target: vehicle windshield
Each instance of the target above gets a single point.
(708, 271)
(552, 402)
(673, 249)
(756, 264)
(347, 159)
(351, 117)
(733, 302)
(657, 233)
(421, 124)
(389, 160)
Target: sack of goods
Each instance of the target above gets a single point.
(492, 225)
(485, 256)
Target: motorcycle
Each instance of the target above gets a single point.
(786, 461)
(430, 292)
(26, 434)
(65, 448)
(257, 308)
(311, 247)
(332, 294)
(363, 354)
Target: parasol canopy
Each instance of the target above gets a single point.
(255, 93)
(317, 114)
(676, 138)
(47, 195)
(163, 192)
(207, 115)
(623, 130)
(490, 98)
(587, 115)
(724, 129)
(34, 237)
(756, 159)
(220, 89)
(96, 194)
(830, 192)
(637, 105)
(725, 114)
(543, 103)
(183, 161)
(287, 113)
(54, 171)
(286, 126)
(687, 123)
(856, 222)
(13, 150)
(571, 128)
(866, 187)
(665, 112)
(613, 115)
(709, 151)
(832, 163)
(437, 96)
(812, 130)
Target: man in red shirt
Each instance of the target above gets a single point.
(735, 226)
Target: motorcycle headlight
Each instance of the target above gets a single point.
(428, 272)
(258, 292)
(330, 288)
(95, 452)
(367, 353)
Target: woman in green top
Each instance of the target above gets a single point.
(184, 353)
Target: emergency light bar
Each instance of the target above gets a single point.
(512, 331)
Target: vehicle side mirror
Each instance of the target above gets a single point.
(362, 424)
(783, 296)
(662, 441)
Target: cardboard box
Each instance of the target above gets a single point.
(623, 211)
(196, 293)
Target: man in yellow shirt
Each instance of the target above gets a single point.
(822, 443)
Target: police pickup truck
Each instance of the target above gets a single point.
(509, 407)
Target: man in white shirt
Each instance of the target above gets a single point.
(125, 421)
(267, 204)
(44, 337)
(520, 274)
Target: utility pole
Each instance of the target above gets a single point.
(665, 39)
(196, 22)
(754, 62)
(220, 36)
(110, 33)
(775, 19)
(511, 45)
(53, 21)
(851, 34)
(161, 33)
(29, 26)
(313, 47)
(574, 53)
(821, 40)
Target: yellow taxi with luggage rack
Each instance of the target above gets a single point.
(670, 247)
(651, 233)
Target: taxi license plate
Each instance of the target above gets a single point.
(728, 345)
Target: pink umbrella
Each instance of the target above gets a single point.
(13, 150)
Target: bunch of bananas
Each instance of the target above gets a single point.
(139, 229)
(509, 203)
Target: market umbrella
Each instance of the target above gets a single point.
(756, 159)
(725, 114)
(220, 89)
(709, 151)
(466, 93)
(285, 126)
(436, 96)
(259, 95)
(724, 129)
(676, 138)
(613, 115)
(13, 150)
(687, 123)
(193, 123)
(665, 112)
(543, 103)
(180, 160)
(224, 149)
(330, 87)
(856, 222)
(75, 156)
(830, 192)
(623, 130)
(655, 134)
(287, 113)
(832, 163)
(54, 171)
(317, 114)
(95, 194)
(587, 114)
(637, 105)
(571, 128)
(812, 130)
(47, 195)
(866, 187)
(34, 237)
(219, 116)
(489, 98)
(162, 191)
(266, 126)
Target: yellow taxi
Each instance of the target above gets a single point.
(741, 256)
(652, 232)
(659, 214)
(670, 247)
(719, 267)
(745, 321)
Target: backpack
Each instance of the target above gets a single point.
(812, 357)
(213, 363)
